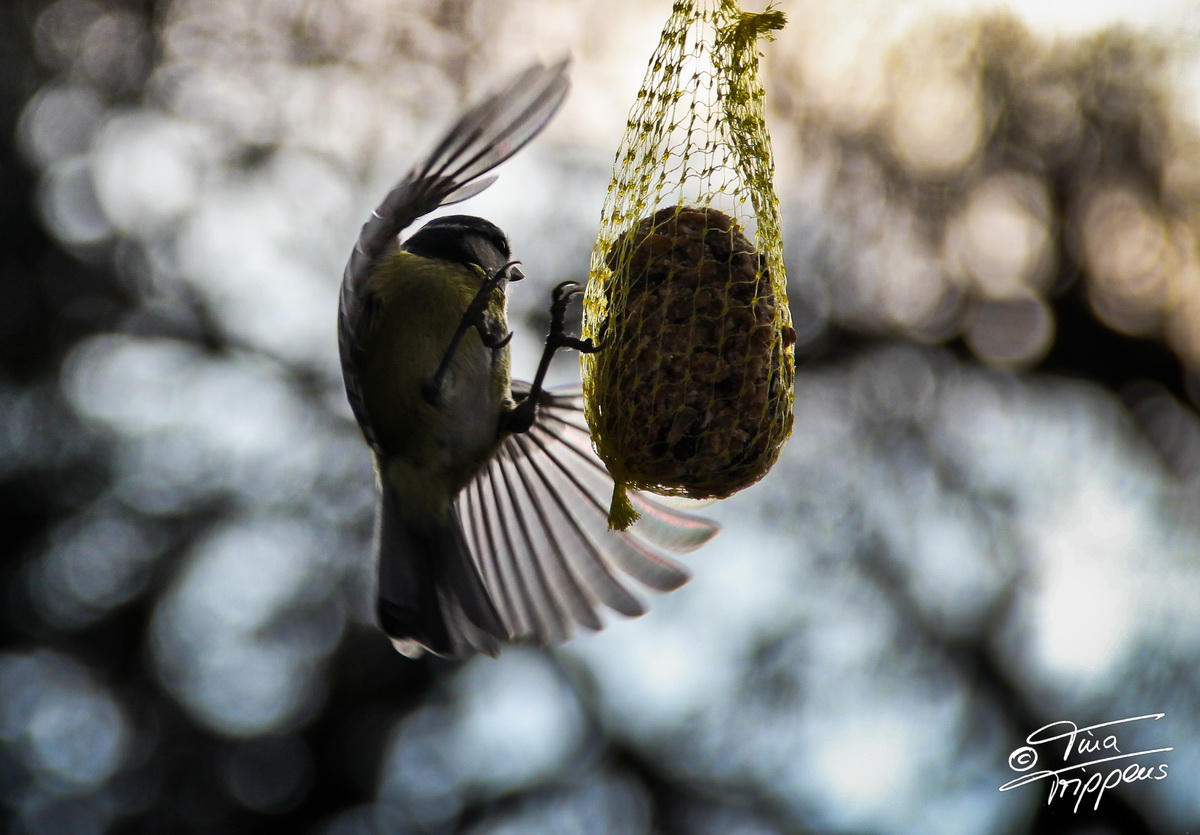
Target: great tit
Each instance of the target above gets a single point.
(492, 505)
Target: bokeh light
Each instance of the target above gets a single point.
(70, 735)
(984, 521)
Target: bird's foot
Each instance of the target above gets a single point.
(491, 332)
(520, 418)
(560, 297)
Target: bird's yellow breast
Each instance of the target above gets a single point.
(417, 306)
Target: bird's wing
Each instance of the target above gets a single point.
(485, 136)
(535, 520)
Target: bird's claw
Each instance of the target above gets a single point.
(491, 334)
(490, 331)
(563, 292)
(476, 314)
(560, 297)
(521, 417)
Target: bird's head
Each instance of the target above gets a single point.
(464, 239)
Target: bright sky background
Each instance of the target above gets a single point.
(965, 482)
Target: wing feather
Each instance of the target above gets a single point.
(538, 596)
(536, 520)
(551, 550)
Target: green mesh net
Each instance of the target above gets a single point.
(692, 392)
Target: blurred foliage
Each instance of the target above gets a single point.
(1033, 199)
(960, 544)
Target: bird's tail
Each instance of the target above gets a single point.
(430, 595)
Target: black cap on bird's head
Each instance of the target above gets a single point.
(463, 239)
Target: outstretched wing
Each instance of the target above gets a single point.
(535, 520)
(485, 136)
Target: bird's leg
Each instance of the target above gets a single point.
(475, 316)
(520, 418)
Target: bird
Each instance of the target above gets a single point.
(490, 524)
